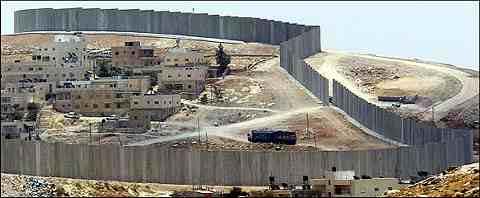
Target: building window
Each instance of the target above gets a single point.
(390, 188)
(148, 101)
(119, 106)
(53, 58)
(116, 53)
(95, 106)
(53, 49)
(189, 75)
(168, 60)
(376, 189)
(169, 76)
(169, 102)
(156, 102)
(31, 68)
(79, 97)
(186, 59)
(46, 49)
(107, 105)
(342, 189)
(40, 69)
(72, 75)
(135, 102)
(133, 52)
(189, 86)
(86, 105)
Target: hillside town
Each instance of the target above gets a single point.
(130, 88)
(109, 102)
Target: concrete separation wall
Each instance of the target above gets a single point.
(173, 166)
(159, 22)
(431, 149)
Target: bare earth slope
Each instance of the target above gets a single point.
(369, 76)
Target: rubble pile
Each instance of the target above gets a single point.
(39, 188)
(454, 182)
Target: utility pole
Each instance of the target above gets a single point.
(90, 126)
(198, 129)
(308, 132)
(119, 140)
(433, 114)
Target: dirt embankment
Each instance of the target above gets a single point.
(462, 181)
(443, 86)
(35, 186)
(388, 78)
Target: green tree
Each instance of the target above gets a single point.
(103, 71)
(204, 99)
(223, 59)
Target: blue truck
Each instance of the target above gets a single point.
(273, 136)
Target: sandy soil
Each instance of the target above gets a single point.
(444, 87)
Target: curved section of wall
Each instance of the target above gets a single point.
(430, 149)
(160, 22)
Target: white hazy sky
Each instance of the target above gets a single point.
(446, 32)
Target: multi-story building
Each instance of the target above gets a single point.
(99, 97)
(132, 55)
(15, 129)
(39, 89)
(186, 80)
(14, 103)
(155, 107)
(64, 52)
(13, 73)
(183, 57)
(63, 59)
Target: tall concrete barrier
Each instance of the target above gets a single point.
(430, 149)
(173, 166)
(403, 130)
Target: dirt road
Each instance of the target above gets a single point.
(325, 63)
(187, 102)
(470, 86)
(231, 131)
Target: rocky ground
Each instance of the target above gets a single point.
(462, 181)
(34, 186)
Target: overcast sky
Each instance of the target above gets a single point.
(447, 32)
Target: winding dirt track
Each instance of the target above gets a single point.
(470, 85)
